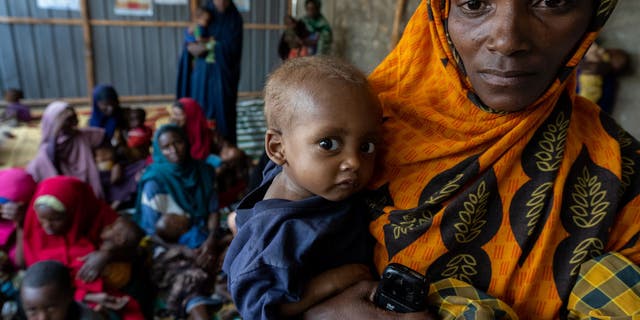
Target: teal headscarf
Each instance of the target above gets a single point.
(190, 183)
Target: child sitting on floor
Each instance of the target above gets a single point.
(15, 111)
(292, 43)
(324, 123)
(110, 171)
(139, 135)
(47, 293)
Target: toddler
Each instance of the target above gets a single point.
(304, 219)
(139, 135)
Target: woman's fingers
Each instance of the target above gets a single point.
(355, 303)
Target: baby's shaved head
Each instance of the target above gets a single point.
(297, 79)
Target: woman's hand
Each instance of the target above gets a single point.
(326, 285)
(94, 264)
(13, 211)
(356, 303)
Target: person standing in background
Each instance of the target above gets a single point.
(215, 85)
(321, 35)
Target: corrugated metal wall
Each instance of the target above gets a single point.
(47, 61)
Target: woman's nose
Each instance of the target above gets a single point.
(509, 30)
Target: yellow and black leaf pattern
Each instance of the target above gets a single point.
(630, 156)
(405, 226)
(465, 229)
(474, 215)
(532, 203)
(588, 210)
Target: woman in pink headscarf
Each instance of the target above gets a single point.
(16, 189)
(65, 149)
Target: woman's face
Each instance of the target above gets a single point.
(68, 121)
(512, 50)
(172, 146)
(107, 106)
(178, 117)
(312, 9)
(53, 222)
(221, 5)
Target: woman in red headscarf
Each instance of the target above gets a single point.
(187, 113)
(64, 222)
(16, 189)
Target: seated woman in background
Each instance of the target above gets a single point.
(187, 114)
(64, 222)
(65, 149)
(16, 189)
(106, 112)
(177, 192)
(231, 163)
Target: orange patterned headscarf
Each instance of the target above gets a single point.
(511, 203)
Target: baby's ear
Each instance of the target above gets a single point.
(274, 147)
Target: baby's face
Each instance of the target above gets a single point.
(203, 18)
(330, 145)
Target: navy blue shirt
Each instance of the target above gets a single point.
(282, 244)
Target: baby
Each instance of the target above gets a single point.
(47, 293)
(139, 135)
(198, 32)
(125, 235)
(323, 127)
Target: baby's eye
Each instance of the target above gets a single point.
(329, 144)
(368, 147)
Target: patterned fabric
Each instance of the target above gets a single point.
(455, 299)
(608, 287)
(512, 203)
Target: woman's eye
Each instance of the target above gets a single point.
(368, 147)
(473, 5)
(329, 144)
(553, 3)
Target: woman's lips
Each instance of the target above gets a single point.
(500, 78)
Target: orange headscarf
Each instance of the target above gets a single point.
(511, 203)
